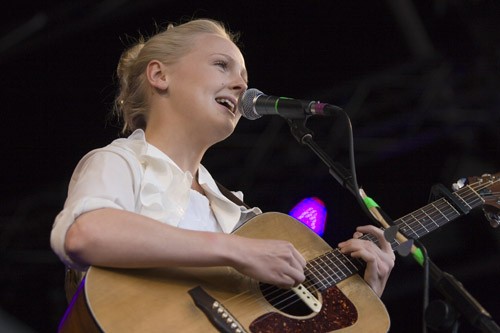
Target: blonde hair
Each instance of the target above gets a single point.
(131, 102)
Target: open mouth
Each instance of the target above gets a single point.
(226, 103)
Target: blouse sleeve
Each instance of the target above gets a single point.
(102, 179)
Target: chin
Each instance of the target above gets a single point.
(224, 132)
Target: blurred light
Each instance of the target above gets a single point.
(311, 212)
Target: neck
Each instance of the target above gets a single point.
(170, 132)
(186, 153)
(196, 185)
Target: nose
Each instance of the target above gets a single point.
(239, 83)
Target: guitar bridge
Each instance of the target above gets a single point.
(309, 299)
(218, 315)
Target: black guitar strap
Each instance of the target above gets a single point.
(228, 194)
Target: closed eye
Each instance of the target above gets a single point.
(222, 64)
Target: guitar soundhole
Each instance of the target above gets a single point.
(285, 300)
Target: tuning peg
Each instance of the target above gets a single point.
(459, 184)
(492, 217)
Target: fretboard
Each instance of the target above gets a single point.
(436, 214)
(334, 266)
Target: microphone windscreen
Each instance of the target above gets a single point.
(246, 104)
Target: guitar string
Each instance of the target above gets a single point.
(292, 298)
(443, 209)
(471, 198)
(334, 280)
(314, 288)
(418, 219)
(274, 293)
(289, 298)
(314, 272)
(419, 222)
(249, 299)
(440, 207)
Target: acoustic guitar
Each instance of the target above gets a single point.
(333, 298)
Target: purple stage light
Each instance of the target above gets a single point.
(311, 212)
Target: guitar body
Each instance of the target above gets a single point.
(171, 299)
(157, 300)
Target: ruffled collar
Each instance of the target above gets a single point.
(164, 189)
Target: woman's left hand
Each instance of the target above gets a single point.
(379, 259)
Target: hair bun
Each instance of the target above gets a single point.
(128, 58)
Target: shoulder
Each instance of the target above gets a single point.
(126, 149)
(121, 155)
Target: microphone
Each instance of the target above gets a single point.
(253, 104)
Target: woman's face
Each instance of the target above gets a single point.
(205, 84)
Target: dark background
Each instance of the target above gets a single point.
(419, 81)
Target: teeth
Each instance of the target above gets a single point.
(225, 102)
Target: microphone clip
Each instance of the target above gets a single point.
(299, 130)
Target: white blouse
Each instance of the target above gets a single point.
(133, 175)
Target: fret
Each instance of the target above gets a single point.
(427, 219)
(394, 244)
(406, 227)
(476, 197)
(330, 270)
(311, 275)
(335, 258)
(421, 225)
(346, 261)
(318, 278)
(334, 266)
(436, 214)
(440, 212)
(327, 272)
(340, 272)
(449, 212)
(430, 221)
(462, 199)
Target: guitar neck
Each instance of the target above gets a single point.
(438, 213)
(334, 266)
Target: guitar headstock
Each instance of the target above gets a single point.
(488, 187)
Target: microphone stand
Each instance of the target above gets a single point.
(461, 300)
(444, 282)
(305, 137)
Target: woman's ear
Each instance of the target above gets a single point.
(156, 74)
